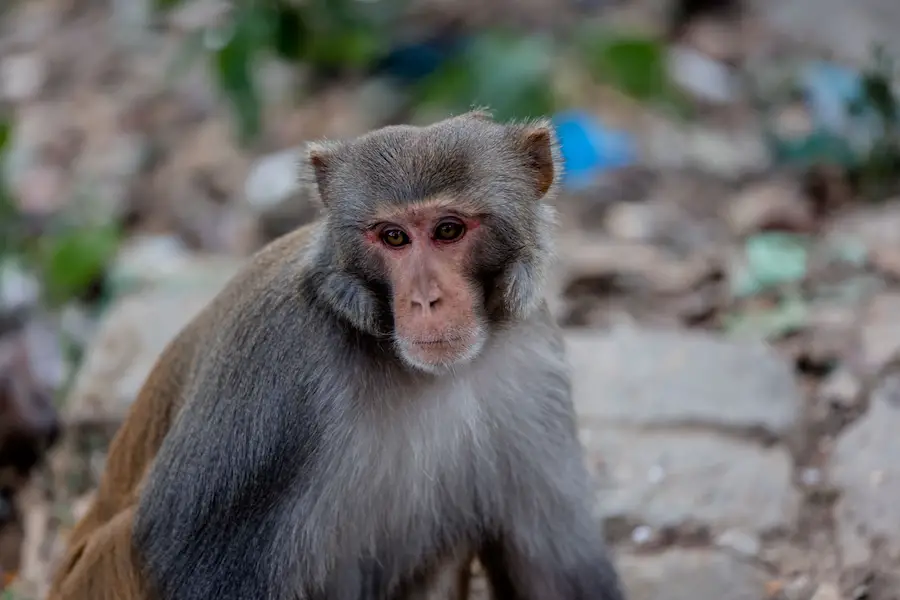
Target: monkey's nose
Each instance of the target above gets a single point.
(425, 301)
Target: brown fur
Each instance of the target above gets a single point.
(99, 563)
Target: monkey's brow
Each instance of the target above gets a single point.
(447, 204)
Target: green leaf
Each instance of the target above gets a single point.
(506, 72)
(816, 148)
(355, 45)
(71, 261)
(773, 258)
(789, 316)
(289, 35)
(164, 5)
(877, 91)
(634, 64)
(6, 129)
(233, 66)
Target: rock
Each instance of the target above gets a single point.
(36, 125)
(19, 289)
(720, 39)
(632, 264)
(378, 100)
(876, 227)
(273, 179)
(728, 154)
(632, 221)
(22, 76)
(704, 77)
(146, 260)
(841, 388)
(669, 479)
(682, 574)
(769, 205)
(132, 19)
(880, 333)
(197, 15)
(827, 591)
(41, 191)
(273, 192)
(865, 468)
(131, 337)
(649, 378)
(740, 542)
(886, 259)
(848, 34)
(49, 364)
(799, 588)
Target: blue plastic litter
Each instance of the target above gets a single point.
(589, 148)
(829, 89)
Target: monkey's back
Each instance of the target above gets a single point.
(101, 540)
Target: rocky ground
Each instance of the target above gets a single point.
(738, 394)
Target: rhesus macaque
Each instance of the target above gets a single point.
(375, 397)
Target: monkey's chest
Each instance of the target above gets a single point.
(408, 480)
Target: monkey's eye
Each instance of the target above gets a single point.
(449, 231)
(394, 237)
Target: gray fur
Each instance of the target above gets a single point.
(331, 470)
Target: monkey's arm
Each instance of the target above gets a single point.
(548, 545)
(554, 552)
(212, 519)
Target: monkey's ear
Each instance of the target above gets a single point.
(317, 168)
(540, 151)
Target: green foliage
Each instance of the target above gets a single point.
(71, 261)
(772, 259)
(9, 231)
(508, 73)
(879, 169)
(635, 65)
(233, 68)
(67, 261)
(789, 315)
(325, 34)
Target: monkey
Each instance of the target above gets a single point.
(375, 400)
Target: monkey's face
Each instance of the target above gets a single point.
(443, 228)
(426, 250)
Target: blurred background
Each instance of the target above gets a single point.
(729, 250)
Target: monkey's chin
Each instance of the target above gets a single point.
(441, 356)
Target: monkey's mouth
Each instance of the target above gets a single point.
(436, 352)
(448, 341)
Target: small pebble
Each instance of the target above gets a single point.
(656, 474)
(642, 535)
(22, 77)
(827, 591)
(811, 476)
(877, 478)
(740, 541)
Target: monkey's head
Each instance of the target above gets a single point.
(436, 235)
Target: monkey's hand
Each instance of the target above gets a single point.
(213, 519)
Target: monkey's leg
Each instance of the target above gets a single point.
(102, 567)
